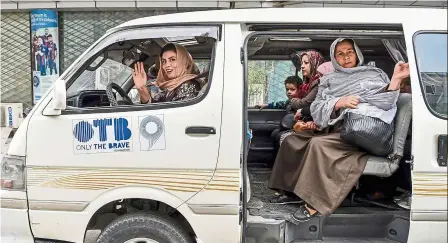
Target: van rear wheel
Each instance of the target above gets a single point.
(143, 228)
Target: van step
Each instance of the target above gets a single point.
(347, 240)
(378, 225)
(382, 226)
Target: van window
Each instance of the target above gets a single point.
(106, 77)
(203, 66)
(431, 55)
(266, 80)
(109, 71)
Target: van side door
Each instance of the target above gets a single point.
(427, 51)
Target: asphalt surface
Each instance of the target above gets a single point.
(91, 236)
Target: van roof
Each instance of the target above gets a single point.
(294, 15)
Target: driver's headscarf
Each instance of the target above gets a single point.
(184, 70)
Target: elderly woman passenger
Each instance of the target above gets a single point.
(322, 168)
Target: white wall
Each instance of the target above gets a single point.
(104, 5)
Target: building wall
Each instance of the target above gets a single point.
(16, 58)
(88, 20)
(77, 31)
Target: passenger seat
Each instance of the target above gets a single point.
(385, 167)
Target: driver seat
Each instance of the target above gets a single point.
(204, 75)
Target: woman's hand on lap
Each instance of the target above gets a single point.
(301, 126)
(347, 102)
(312, 126)
(298, 115)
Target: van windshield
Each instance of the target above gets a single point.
(431, 49)
(109, 71)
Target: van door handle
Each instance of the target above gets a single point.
(200, 130)
(442, 150)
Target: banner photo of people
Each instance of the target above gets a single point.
(44, 51)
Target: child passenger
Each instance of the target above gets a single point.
(292, 84)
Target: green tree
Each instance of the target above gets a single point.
(258, 72)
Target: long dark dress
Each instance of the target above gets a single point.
(320, 169)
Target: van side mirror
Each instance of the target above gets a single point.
(59, 95)
(58, 103)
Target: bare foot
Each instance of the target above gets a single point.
(311, 210)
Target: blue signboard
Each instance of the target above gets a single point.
(44, 50)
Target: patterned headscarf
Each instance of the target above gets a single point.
(184, 70)
(316, 59)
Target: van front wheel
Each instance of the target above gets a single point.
(143, 228)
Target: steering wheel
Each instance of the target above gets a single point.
(120, 91)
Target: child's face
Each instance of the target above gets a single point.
(291, 91)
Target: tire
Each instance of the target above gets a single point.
(151, 226)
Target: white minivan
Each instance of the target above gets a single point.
(90, 158)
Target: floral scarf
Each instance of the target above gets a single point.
(316, 59)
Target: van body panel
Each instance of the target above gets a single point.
(81, 213)
(428, 231)
(427, 174)
(17, 146)
(429, 180)
(231, 140)
(289, 15)
(60, 168)
(14, 217)
(15, 227)
(200, 175)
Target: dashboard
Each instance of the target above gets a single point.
(88, 98)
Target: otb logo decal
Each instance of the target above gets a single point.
(152, 133)
(102, 135)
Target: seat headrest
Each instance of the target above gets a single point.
(152, 72)
(196, 69)
(206, 68)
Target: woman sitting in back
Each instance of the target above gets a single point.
(322, 168)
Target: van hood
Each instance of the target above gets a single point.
(17, 146)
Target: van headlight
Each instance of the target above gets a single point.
(13, 173)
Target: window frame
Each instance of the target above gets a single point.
(140, 107)
(422, 88)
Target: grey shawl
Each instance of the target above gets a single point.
(367, 82)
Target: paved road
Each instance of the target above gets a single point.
(91, 236)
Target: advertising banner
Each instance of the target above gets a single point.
(44, 51)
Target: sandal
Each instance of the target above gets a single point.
(303, 214)
(284, 199)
